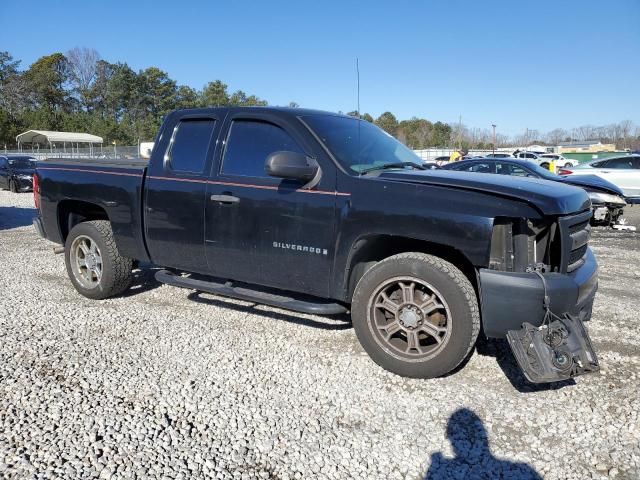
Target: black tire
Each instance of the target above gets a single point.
(116, 274)
(568, 165)
(446, 281)
(545, 165)
(13, 188)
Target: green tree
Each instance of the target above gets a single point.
(187, 97)
(46, 80)
(388, 122)
(8, 66)
(367, 117)
(214, 94)
(157, 92)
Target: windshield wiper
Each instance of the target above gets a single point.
(386, 166)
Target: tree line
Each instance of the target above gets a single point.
(80, 91)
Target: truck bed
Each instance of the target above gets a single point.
(114, 186)
(95, 162)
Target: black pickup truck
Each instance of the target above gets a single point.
(324, 213)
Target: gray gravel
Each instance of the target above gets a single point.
(166, 384)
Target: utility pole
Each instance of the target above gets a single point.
(494, 138)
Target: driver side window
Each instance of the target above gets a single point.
(249, 143)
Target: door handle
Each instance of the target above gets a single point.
(227, 199)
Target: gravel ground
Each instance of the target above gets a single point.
(163, 383)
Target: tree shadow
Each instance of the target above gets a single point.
(500, 350)
(345, 322)
(473, 458)
(14, 217)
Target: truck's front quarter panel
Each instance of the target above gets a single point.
(467, 222)
(455, 219)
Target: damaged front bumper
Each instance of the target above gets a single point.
(515, 302)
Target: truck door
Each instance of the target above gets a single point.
(267, 230)
(175, 187)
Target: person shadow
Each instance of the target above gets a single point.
(473, 458)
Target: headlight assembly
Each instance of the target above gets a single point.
(600, 197)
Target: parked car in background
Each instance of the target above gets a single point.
(441, 160)
(431, 165)
(560, 160)
(16, 172)
(500, 155)
(607, 200)
(624, 172)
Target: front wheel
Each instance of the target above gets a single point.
(416, 315)
(13, 188)
(94, 265)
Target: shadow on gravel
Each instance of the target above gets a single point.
(506, 361)
(144, 280)
(473, 457)
(307, 322)
(14, 217)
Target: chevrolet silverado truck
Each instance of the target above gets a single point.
(327, 214)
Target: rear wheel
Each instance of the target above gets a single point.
(94, 265)
(416, 315)
(545, 165)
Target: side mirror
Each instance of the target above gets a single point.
(291, 165)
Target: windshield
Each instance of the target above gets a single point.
(359, 145)
(22, 163)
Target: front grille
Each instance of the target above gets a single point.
(577, 254)
(575, 231)
(577, 227)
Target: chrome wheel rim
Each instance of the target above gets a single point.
(86, 261)
(409, 319)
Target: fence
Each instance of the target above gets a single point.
(108, 152)
(129, 152)
(429, 154)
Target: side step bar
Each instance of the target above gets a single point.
(247, 294)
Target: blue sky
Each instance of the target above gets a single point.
(519, 64)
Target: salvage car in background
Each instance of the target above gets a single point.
(624, 172)
(545, 159)
(607, 200)
(558, 159)
(16, 172)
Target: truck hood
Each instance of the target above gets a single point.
(593, 182)
(551, 198)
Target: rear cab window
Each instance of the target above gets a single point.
(189, 145)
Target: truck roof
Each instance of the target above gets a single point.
(289, 110)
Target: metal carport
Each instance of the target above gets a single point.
(47, 137)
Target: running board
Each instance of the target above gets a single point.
(247, 294)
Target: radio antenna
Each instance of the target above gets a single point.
(358, 83)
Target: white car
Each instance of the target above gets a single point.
(544, 159)
(624, 172)
(560, 160)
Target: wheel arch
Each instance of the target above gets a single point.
(72, 212)
(370, 249)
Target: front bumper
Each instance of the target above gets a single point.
(509, 299)
(24, 184)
